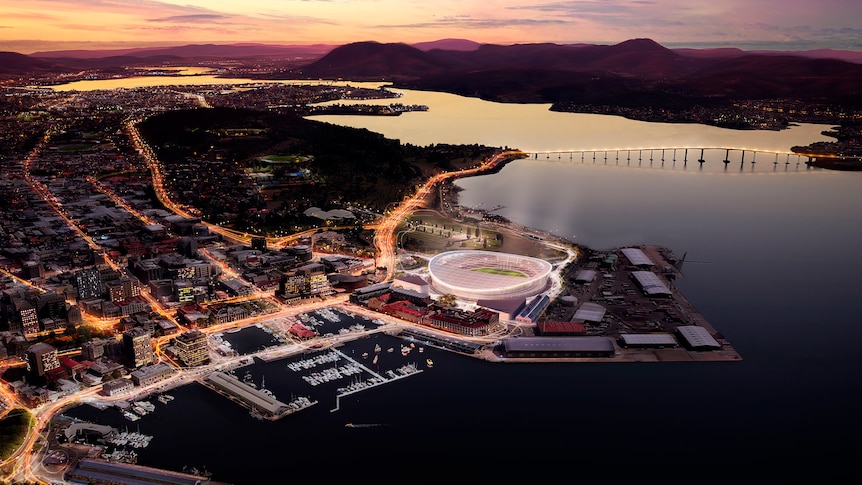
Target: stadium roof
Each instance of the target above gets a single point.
(476, 274)
(590, 312)
(637, 257)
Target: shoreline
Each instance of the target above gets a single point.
(449, 207)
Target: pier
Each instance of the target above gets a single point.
(259, 403)
(375, 380)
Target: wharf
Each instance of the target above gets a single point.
(628, 310)
(260, 405)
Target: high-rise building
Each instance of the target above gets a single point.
(97, 348)
(51, 305)
(25, 318)
(191, 348)
(123, 288)
(32, 270)
(89, 283)
(41, 359)
(187, 246)
(137, 347)
(115, 291)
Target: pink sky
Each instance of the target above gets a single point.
(32, 25)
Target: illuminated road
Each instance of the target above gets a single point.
(384, 236)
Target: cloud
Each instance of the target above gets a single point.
(200, 17)
(468, 22)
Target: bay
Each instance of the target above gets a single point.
(771, 262)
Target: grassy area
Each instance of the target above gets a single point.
(501, 271)
(243, 131)
(428, 232)
(283, 158)
(13, 429)
(75, 148)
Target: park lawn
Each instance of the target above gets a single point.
(501, 271)
(13, 429)
(75, 148)
(282, 158)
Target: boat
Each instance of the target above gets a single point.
(362, 425)
(364, 355)
(147, 405)
(131, 416)
(429, 363)
(390, 349)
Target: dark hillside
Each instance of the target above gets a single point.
(208, 151)
(373, 60)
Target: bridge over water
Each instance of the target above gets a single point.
(679, 157)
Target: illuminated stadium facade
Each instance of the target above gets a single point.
(477, 275)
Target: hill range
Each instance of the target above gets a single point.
(634, 74)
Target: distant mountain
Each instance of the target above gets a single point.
(448, 45)
(640, 57)
(637, 74)
(374, 60)
(219, 51)
(12, 63)
(363, 60)
(843, 55)
(553, 72)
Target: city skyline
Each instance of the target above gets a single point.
(28, 26)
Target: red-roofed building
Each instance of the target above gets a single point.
(73, 366)
(561, 328)
(301, 331)
(405, 311)
(478, 322)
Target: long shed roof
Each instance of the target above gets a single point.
(648, 339)
(651, 283)
(637, 257)
(557, 344)
(697, 337)
(250, 395)
(589, 312)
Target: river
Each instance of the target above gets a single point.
(771, 262)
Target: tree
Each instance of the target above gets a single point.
(448, 299)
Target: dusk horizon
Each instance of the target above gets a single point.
(38, 47)
(243, 242)
(79, 24)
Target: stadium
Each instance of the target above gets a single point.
(477, 275)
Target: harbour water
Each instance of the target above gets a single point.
(772, 263)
